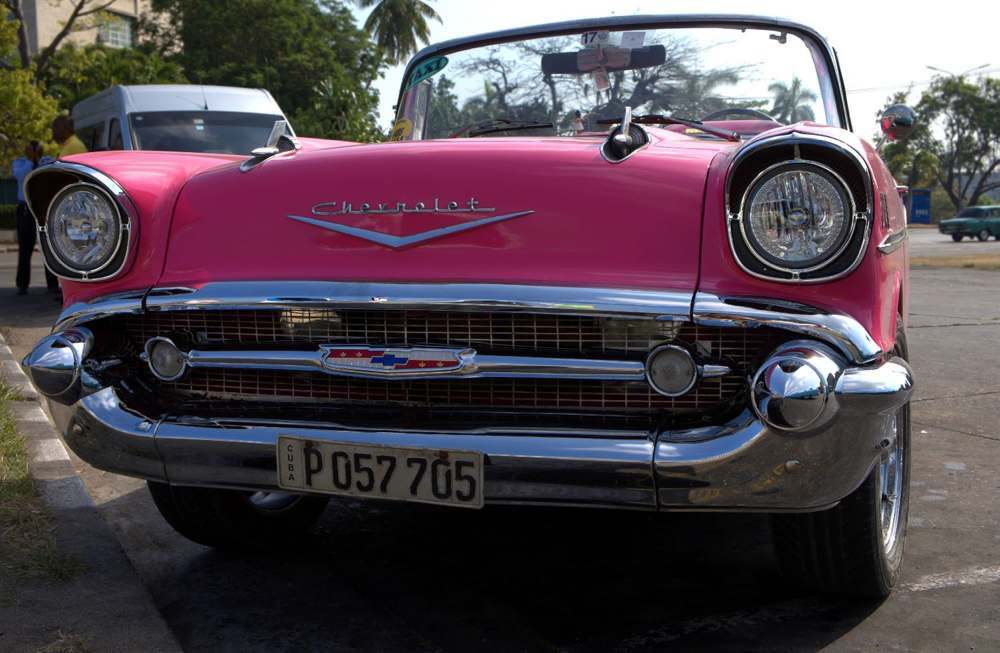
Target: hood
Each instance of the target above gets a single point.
(532, 211)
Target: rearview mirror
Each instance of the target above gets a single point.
(898, 121)
(609, 58)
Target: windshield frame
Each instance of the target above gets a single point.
(813, 40)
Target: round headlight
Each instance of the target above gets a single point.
(797, 216)
(84, 228)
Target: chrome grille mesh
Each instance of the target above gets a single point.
(493, 331)
(520, 333)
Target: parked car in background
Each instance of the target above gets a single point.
(177, 118)
(979, 221)
(561, 299)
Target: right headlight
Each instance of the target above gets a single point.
(797, 217)
(84, 228)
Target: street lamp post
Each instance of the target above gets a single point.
(962, 74)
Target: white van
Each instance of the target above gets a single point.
(177, 118)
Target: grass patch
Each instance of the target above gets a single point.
(977, 261)
(27, 546)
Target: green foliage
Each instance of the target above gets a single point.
(311, 56)
(25, 111)
(960, 129)
(397, 25)
(75, 73)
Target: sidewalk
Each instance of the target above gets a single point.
(104, 607)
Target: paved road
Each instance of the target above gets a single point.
(395, 578)
(928, 242)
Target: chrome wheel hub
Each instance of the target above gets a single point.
(891, 474)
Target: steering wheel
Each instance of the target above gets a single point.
(735, 111)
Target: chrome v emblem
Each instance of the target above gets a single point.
(397, 242)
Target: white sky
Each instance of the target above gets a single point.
(882, 45)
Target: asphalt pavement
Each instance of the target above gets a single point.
(379, 577)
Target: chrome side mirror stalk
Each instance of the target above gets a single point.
(278, 140)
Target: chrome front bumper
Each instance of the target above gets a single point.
(816, 422)
(739, 465)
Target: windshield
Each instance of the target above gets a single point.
(972, 213)
(565, 85)
(221, 132)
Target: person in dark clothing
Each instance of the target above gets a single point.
(26, 234)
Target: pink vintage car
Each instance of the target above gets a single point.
(552, 287)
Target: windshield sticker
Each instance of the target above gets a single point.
(595, 39)
(402, 130)
(633, 39)
(426, 70)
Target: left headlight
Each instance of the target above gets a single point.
(797, 216)
(84, 228)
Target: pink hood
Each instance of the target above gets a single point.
(579, 220)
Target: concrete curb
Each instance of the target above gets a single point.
(79, 526)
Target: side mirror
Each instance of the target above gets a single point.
(898, 121)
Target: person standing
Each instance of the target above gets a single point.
(26, 233)
(64, 134)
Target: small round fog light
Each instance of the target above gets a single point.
(166, 361)
(671, 370)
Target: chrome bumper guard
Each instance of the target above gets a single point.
(740, 465)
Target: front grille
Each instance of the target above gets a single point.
(487, 332)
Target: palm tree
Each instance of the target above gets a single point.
(398, 24)
(792, 102)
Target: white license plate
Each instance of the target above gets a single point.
(443, 476)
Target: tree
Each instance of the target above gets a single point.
(311, 56)
(75, 73)
(25, 111)
(961, 128)
(397, 25)
(908, 159)
(791, 102)
(82, 15)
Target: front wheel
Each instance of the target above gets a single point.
(232, 519)
(957, 237)
(983, 235)
(856, 547)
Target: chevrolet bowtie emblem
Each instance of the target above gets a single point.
(334, 209)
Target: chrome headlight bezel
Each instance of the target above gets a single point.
(817, 263)
(849, 165)
(120, 228)
(49, 183)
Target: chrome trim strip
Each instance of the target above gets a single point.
(841, 331)
(398, 242)
(470, 365)
(893, 241)
(662, 305)
(124, 303)
(121, 200)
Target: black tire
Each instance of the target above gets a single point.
(841, 550)
(231, 519)
(983, 235)
(957, 237)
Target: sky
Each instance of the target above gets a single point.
(882, 47)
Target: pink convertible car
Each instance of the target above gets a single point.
(637, 262)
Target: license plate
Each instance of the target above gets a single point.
(443, 476)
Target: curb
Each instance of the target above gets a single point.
(79, 525)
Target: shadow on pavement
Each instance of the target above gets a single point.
(386, 577)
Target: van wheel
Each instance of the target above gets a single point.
(232, 519)
(856, 547)
(957, 237)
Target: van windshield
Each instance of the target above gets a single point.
(221, 132)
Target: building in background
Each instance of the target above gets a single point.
(115, 26)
